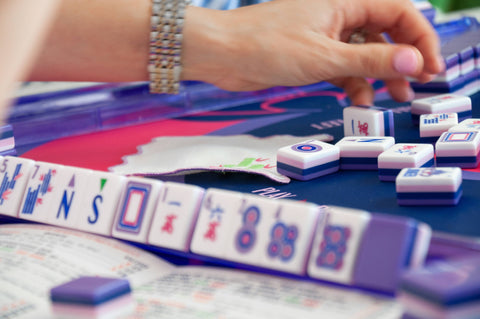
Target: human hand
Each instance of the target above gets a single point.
(299, 42)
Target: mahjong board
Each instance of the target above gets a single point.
(299, 113)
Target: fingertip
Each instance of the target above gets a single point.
(407, 61)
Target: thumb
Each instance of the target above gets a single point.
(381, 60)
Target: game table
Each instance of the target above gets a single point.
(299, 112)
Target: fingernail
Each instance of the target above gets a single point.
(405, 61)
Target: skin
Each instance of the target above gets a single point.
(283, 42)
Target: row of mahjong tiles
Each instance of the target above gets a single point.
(335, 244)
(461, 55)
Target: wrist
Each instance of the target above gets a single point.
(207, 48)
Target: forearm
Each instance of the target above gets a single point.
(108, 41)
(102, 41)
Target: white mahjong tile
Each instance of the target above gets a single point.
(250, 232)
(41, 188)
(214, 227)
(371, 146)
(290, 237)
(14, 172)
(336, 244)
(175, 216)
(457, 143)
(308, 154)
(406, 155)
(437, 123)
(466, 126)
(67, 201)
(367, 121)
(429, 179)
(101, 198)
(445, 103)
(421, 246)
(135, 210)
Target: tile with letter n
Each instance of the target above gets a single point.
(175, 216)
(291, 234)
(362, 120)
(215, 224)
(14, 174)
(136, 206)
(337, 239)
(308, 160)
(67, 200)
(101, 198)
(40, 191)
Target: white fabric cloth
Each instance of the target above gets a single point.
(184, 155)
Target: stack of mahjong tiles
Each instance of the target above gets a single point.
(444, 289)
(461, 55)
(92, 297)
(429, 186)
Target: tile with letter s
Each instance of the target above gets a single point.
(101, 198)
(175, 216)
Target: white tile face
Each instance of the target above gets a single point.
(466, 126)
(405, 155)
(290, 237)
(214, 229)
(308, 154)
(336, 244)
(429, 179)
(251, 233)
(436, 124)
(364, 121)
(14, 174)
(372, 146)
(67, 200)
(457, 143)
(100, 198)
(175, 216)
(445, 103)
(134, 213)
(41, 188)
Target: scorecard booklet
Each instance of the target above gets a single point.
(36, 258)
